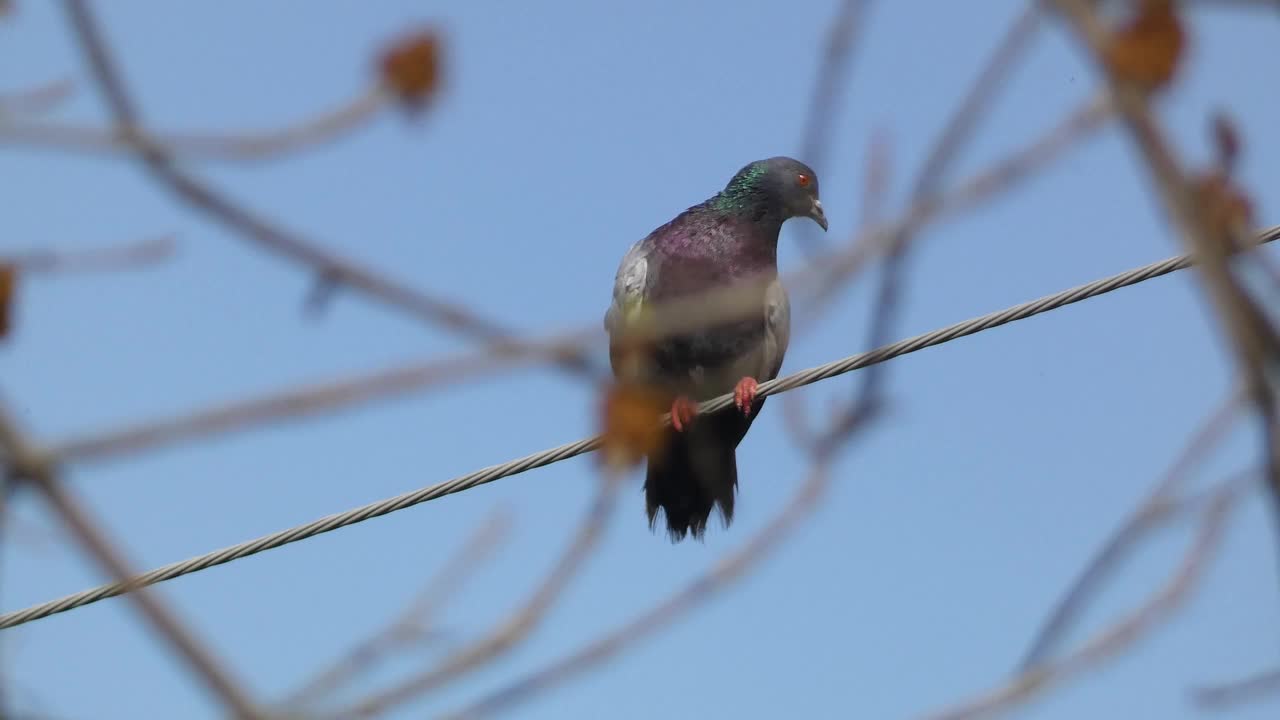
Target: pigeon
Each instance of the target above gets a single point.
(729, 241)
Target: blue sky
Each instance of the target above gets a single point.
(567, 131)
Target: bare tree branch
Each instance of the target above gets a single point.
(1253, 340)
(129, 256)
(824, 275)
(34, 100)
(949, 144)
(26, 465)
(329, 267)
(413, 624)
(304, 401)
(1157, 508)
(727, 570)
(516, 627)
(1246, 327)
(829, 91)
(323, 127)
(1124, 632)
(1253, 688)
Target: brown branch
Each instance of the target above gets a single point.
(978, 100)
(829, 90)
(874, 192)
(34, 100)
(1250, 689)
(832, 80)
(1124, 632)
(1250, 334)
(121, 257)
(307, 400)
(982, 187)
(954, 137)
(595, 653)
(1158, 507)
(825, 275)
(313, 399)
(26, 465)
(413, 623)
(238, 146)
(328, 267)
(518, 626)
(102, 65)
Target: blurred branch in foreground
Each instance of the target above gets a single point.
(829, 90)
(1157, 508)
(1261, 686)
(26, 466)
(1214, 509)
(413, 626)
(323, 127)
(1138, 60)
(948, 145)
(564, 452)
(129, 256)
(522, 621)
(330, 269)
(727, 570)
(32, 101)
(124, 257)
(823, 277)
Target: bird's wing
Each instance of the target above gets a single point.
(761, 359)
(777, 316)
(629, 287)
(636, 275)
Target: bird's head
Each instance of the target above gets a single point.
(780, 187)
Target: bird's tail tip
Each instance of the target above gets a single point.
(687, 497)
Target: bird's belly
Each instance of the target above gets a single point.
(706, 383)
(708, 364)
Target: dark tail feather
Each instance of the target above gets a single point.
(695, 473)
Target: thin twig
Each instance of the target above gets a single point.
(33, 100)
(518, 625)
(1250, 689)
(327, 266)
(954, 137)
(1154, 509)
(240, 146)
(875, 189)
(296, 403)
(1124, 632)
(729, 569)
(981, 188)
(553, 455)
(25, 465)
(129, 256)
(1253, 340)
(829, 90)
(411, 625)
(825, 275)
(832, 80)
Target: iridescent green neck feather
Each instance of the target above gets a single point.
(743, 190)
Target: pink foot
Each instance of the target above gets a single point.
(683, 411)
(744, 394)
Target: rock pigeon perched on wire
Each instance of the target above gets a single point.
(725, 244)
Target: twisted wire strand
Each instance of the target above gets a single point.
(570, 450)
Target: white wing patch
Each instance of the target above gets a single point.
(628, 289)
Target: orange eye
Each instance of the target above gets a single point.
(802, 180)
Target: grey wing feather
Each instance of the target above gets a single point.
(777, 316)
(630, 286)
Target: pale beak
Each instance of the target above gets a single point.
(816, 213)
